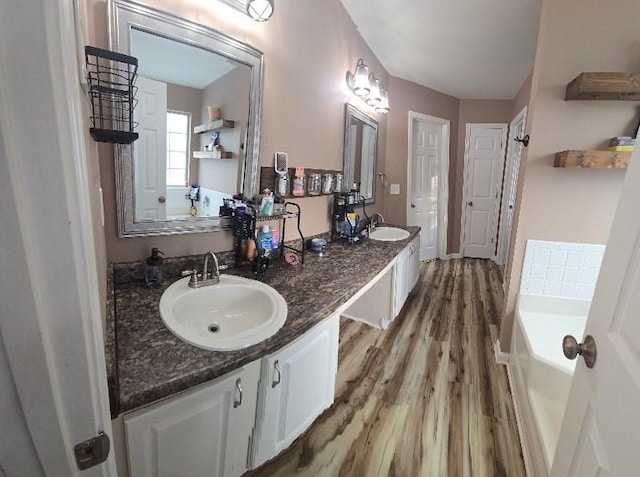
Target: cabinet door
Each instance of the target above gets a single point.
(414, 264)
(297, 384)
(401, 281)
(204, 432)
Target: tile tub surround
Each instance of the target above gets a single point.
(560, 269)
(153, 363)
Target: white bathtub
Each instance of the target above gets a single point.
(542, 375)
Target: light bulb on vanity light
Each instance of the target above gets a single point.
(358, 81)
(383, 107)
(374, 94)
(260, 10)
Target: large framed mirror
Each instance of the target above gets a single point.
(199, 95)
(360, 152)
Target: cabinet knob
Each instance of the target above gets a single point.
(238, 402)
(277, 375)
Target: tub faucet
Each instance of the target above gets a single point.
(206, 277)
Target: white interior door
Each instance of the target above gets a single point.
(423, 181)
(50, 318)
(510, 188)
(150, 150)
(483, 172)
(601, 427)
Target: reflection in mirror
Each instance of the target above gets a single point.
(199, 98)
(175, 91)
(360, 152)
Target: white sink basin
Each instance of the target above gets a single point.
(233, 314)
(389, 234)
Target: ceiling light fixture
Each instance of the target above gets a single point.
(364, 84)
(260, 10)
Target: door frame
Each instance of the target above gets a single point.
(443, 176)
(504, 241)
(465, 175)
(54, 337)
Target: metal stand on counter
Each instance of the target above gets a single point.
(244, 230)
(345, 223)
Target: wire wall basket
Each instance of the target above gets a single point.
(111, 77)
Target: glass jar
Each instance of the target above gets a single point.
(327, 184)
(283, 185)
(337, 183)
(314, 185)
(298, 185)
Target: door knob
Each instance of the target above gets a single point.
(511, 207)
(162, 199)
(470, 203)
(587, 350)
(413, 206)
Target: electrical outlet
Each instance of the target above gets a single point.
(395, 189)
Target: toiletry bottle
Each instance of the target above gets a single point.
(266, 205)
(265, 242)
(153, 270)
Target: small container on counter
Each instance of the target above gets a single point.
(153, 270)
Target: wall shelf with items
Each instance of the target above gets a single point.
(214, 126)
(604, 87)
(245, 228)
(268, 179)
(592, 159)
(212, 155)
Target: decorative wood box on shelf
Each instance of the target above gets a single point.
(604, 87)
(593, 159)
(214, 126)
(212, 155)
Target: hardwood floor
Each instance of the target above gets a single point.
(424, 397)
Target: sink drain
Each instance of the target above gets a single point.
(215, 328)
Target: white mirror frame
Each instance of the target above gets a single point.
(123, 16)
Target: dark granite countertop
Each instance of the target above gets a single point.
(152, 363)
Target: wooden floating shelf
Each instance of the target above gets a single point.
(214, 126)
(604, 87)
(212, 155)
(593, 159)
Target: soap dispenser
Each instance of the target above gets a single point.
(153, 270)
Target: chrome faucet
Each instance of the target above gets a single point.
(375, 220)
(206, 278)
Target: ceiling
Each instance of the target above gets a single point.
(471, 49)
(179, 63)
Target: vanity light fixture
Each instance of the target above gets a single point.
(358, 82)
(367, 87)
(260, 10)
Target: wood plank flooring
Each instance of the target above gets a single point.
(424, 398)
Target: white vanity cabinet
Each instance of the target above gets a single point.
(407, 271)
(201, 432)
(297, 383)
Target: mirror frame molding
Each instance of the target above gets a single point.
(351, 111)
(127, 14)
